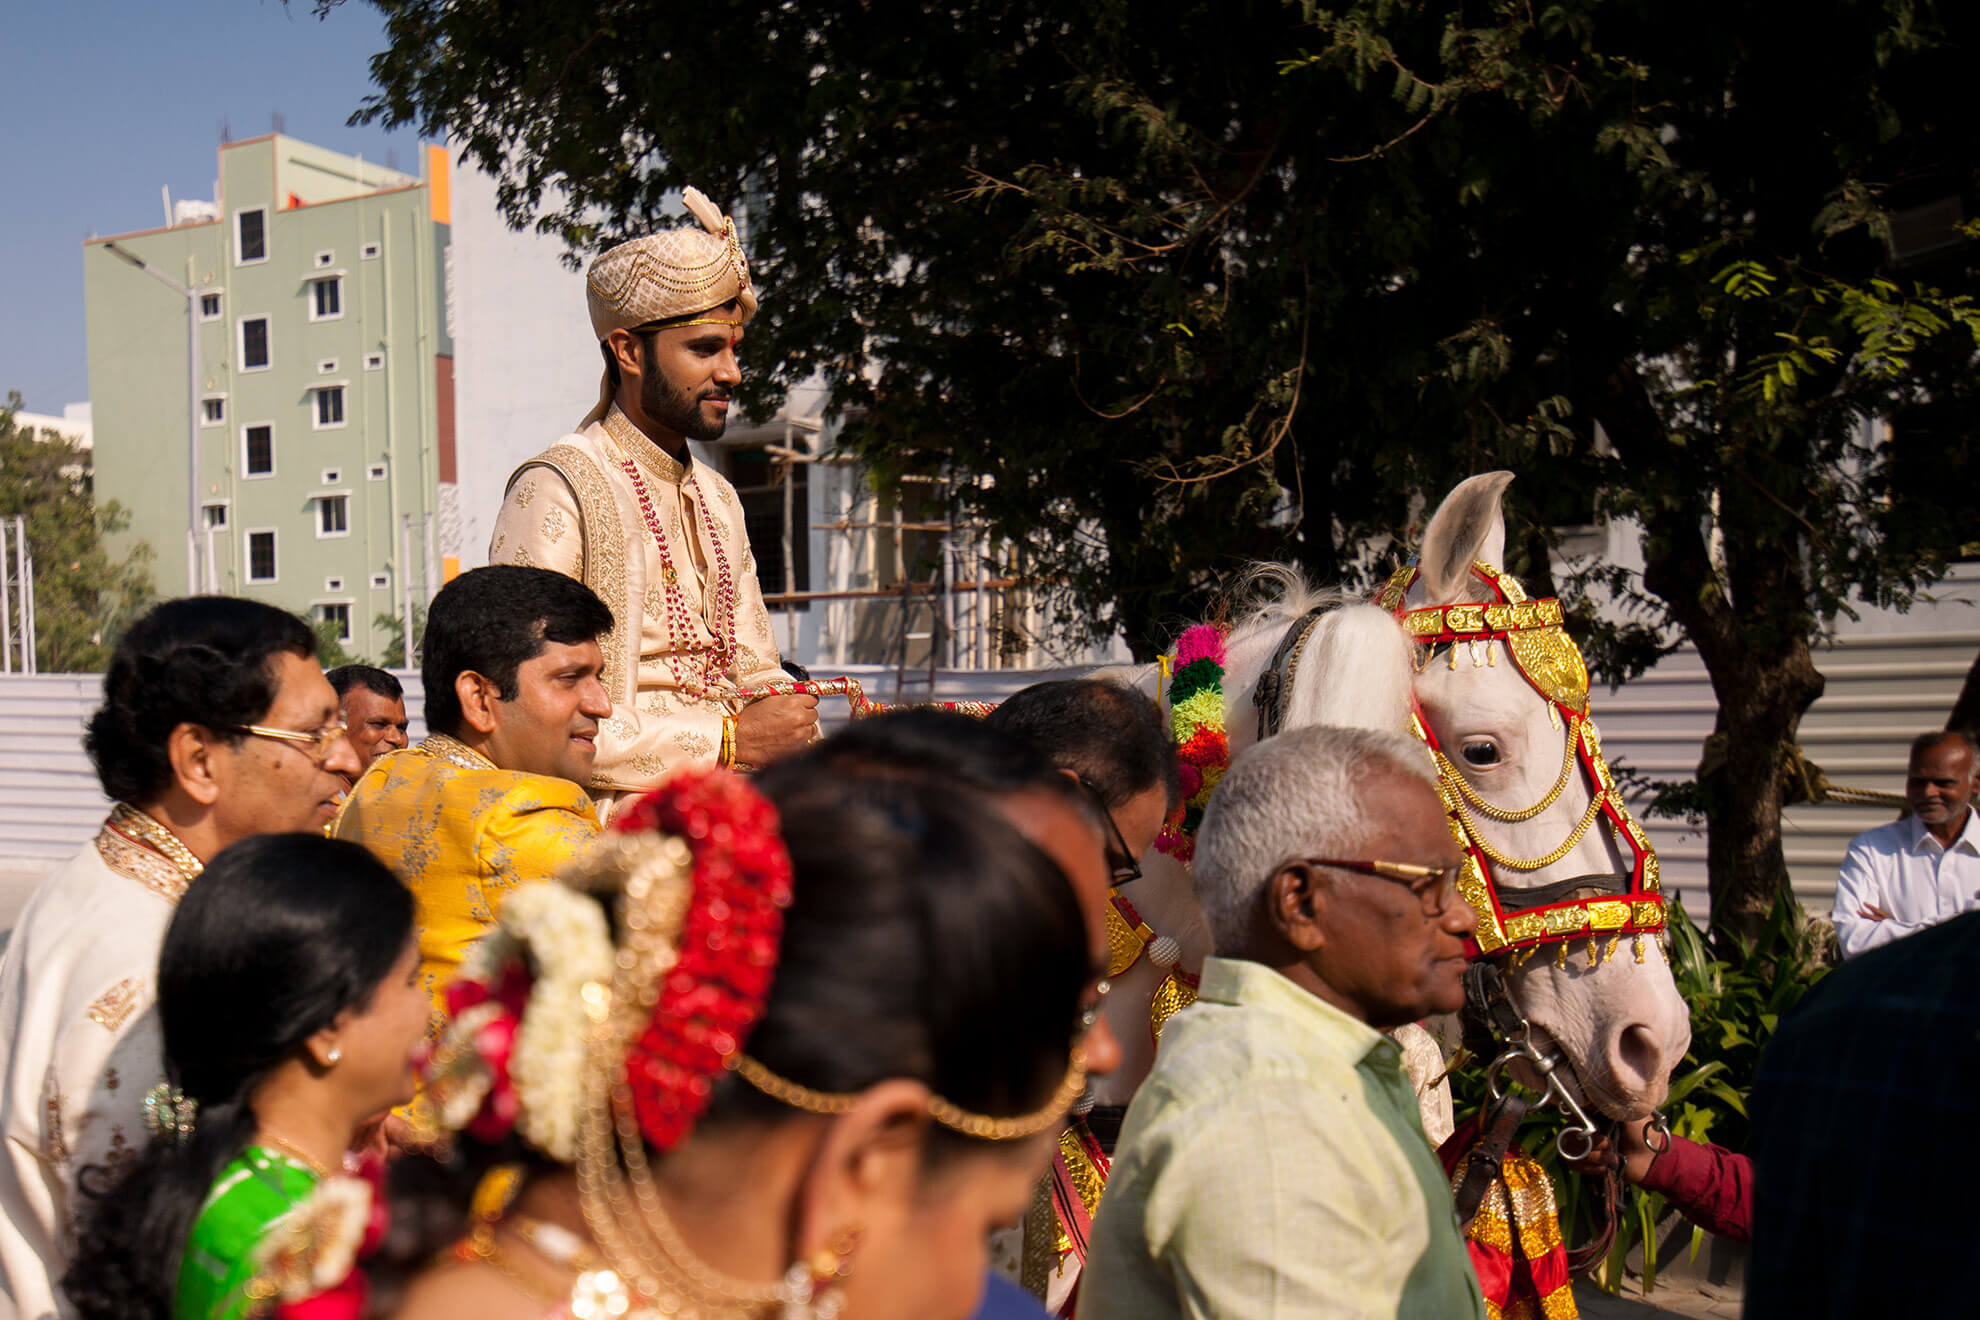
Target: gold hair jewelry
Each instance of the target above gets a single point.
(170, 1113)
(616, 1189)
(983, 1126)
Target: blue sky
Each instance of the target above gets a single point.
(109, 99)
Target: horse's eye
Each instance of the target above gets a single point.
(1481, 753)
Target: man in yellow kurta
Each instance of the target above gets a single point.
(493, 796)
(623, 506)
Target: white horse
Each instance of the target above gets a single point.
(1617, 1021)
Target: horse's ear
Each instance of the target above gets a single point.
(1468, 525)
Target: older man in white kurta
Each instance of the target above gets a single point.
(78, 992)
(217, 724)
(622, 505)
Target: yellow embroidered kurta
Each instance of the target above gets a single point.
(462, 833)
(78, 994)
(574, 509)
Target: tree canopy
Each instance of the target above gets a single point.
(1257, 279)
(83, 599)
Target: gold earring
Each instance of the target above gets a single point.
(814, 1288)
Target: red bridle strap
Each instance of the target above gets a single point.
(1640, 910)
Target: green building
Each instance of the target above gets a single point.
(325, 461)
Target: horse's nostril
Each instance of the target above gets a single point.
(1637, 1058)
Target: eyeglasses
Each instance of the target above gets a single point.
(318, 742)
(1127, 867)
(1432, 885)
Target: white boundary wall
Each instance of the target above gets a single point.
(1890, 676)
(50, 803)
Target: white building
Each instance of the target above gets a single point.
(72, 425)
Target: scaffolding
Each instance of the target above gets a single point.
(16, 598)
(909, 583)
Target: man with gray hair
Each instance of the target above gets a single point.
(1273, 1164)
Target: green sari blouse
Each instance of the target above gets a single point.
(256, 1188)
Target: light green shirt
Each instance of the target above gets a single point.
(1273, 1165)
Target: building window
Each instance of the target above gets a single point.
(759, 481)
(333, 584)
(258, 450)
(381, 581)
(326, 298)
(250, 236)
(254, 343)
(261, 556)
(332, 476)
(209, 306)
(215, 515)
(333, 515)
(326, 258)
(329, 406)
(376, 472)
(213, 410)
(369, 251)
(326, 366)
(339, 613)
(374, 361)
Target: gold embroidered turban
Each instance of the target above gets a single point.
(668, 276)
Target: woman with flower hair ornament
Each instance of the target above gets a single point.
(291, 1015)
(826, 1053)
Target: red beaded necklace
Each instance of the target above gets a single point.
(716, 660)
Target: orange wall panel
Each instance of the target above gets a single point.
(439, 185)
(443, 401)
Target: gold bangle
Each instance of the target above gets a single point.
(727, 759)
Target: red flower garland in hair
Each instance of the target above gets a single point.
(494, 1043)
(714, 996)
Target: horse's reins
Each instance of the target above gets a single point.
(849, 688)
(1277, 680)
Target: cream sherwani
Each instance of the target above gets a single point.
(574, 508)
(78, 990)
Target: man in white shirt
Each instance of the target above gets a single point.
(1924, 869)
(216, 724)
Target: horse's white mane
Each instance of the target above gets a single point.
(1354, 671)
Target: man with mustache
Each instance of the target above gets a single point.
(372, 705)
(1920, 870)
(623, 506)
(494, 795)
